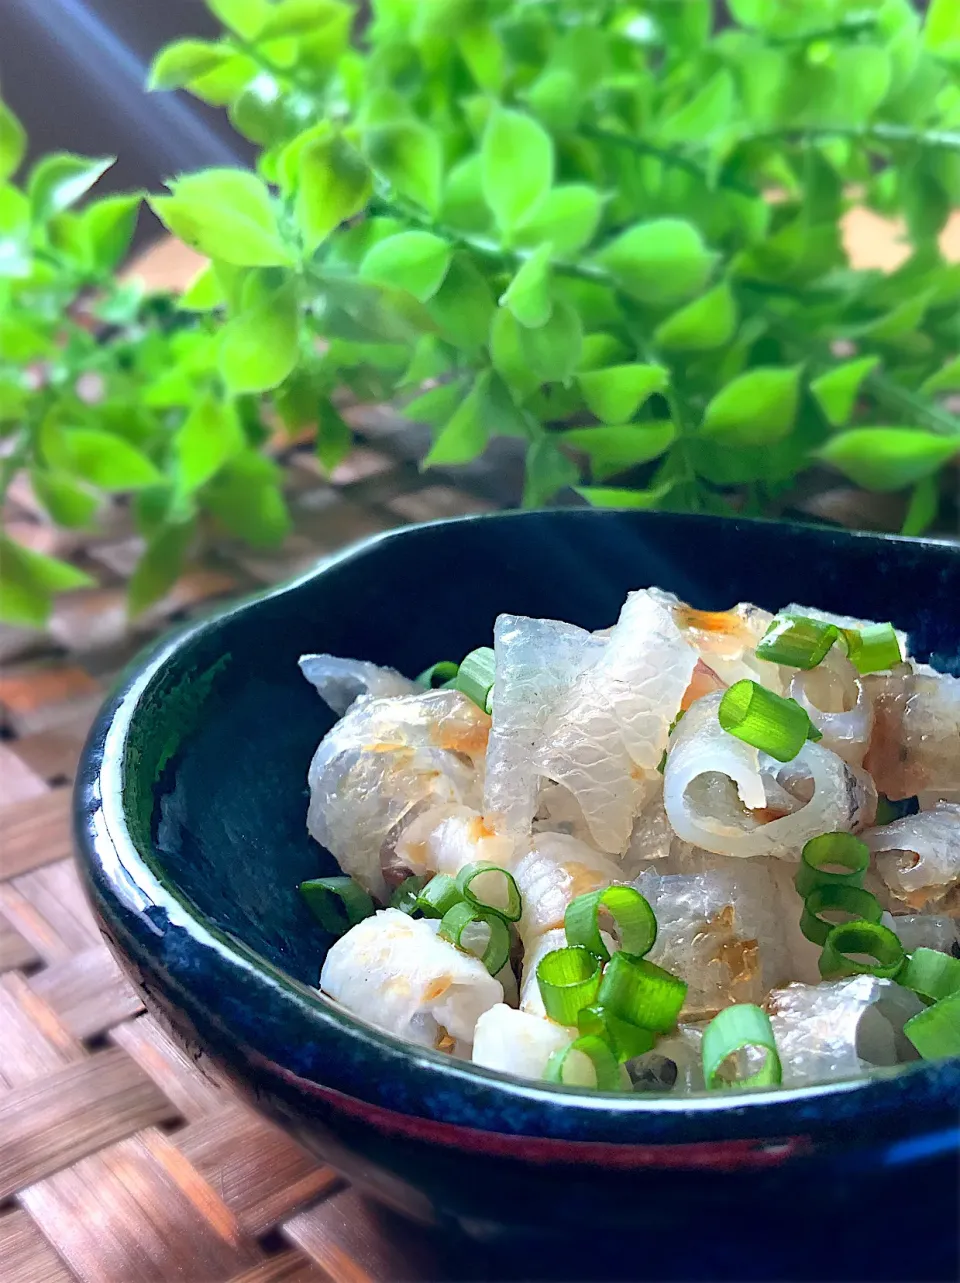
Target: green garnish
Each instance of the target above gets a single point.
(832, 859)
(733, 1030)
(777, 726)
(641, 993)
(797, 641)
(605, 1067)
(936, 1031)
(489, 887)
(861, 948)
(568, 980)
(873, 647)
(635, 921)
(496, 951)
(439, 896)
(337, 903)
(860, 904)
(931, 974)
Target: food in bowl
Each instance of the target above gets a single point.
(692, 851)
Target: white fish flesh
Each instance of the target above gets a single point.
(516, 1042)
(445, 839)
(555, 871)
(341, 681)
(918, 858)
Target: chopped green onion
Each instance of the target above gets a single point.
(568, 980)
(872, 648)
(635, 920)
(733, 1030)
(641, 993)
(931, 974)
(337, 903)
(846, 853)
(445, 670)
(606, 1071)
(769, 722)
(498, 891)
(881, 947)
(439, 896)
(405, 896)
(890, 809)
(936, 1031)
(797, 641)
(497, 949)
(860, 904)
(475, 677)
(625, 1040)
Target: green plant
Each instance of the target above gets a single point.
(612, 231)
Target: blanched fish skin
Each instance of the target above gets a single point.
(836, 700)
(924, 931)
(516, 1042)
(839, 1028)
(445, 839)
(341, 681)
(395, 972)
(726, 640)
(555, 871)
(918, 858)
(713, 788)
(384, 759)
(915, 746)
(652, 837)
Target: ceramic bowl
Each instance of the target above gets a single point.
(200, 901)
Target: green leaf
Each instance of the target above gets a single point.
(946, 379)
(247, 499)
(226, 214)
(183, 61)
(659, 262)
(885, 459)
(612, 497)
(408, 154)
(59, 181)
(528, 294)
(68, 503)
(548, 470)
(15, 253)
(28, 581)
(463, 207)
(107, 461)
(160, 566)
(463, 306)
(600, 351)
(109, 226)
(431, 358)
(837, 390)
(567, 217)
(436, 405)
(482, 51)
(526, 358)
(209, 436)
(299, 18)
(334, 438)
(466, 435)
(334, 183)
(756, 408)
(262, 112)
(615, 394)
(173, 388)
(261, 345)
(14, 397)
(517, 158)
(709, 110)
(13, 143)
(708, 322)
(204, 293)
(923, 507)
(413, 261)
(555, 98)
(941, 31)
(246, 17)
(223, 85)
(614, 449)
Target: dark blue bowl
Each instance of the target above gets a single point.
(200, 904)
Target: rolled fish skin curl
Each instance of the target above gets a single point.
(915, 746)
(918, 858)
(715, 798)
(606, 739)
(557, 869)
(397, 973)
(516, 1042)
(726, 640)
(341, 681)
(384, 759)
(836, 701)
(445, 839)
(838, 1028)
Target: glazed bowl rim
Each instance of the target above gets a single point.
(110, 857)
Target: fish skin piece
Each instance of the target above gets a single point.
(397, 973)
(846, 731)
(557, 869)
(924, 931)
(341, 681)
(726, 640)
(516, 1042)
(918, 858)
(915, 746)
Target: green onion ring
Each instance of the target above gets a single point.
(405, 896)
(605, 1066)
(797, 641)
(623, 1039)
(873, 648)
(936, 1031)
(636, 922)
(767, 721)
(456, 920)
(853, 900)
(733, 1030)
(439, 896)
(337, 903)
(641, 993)
(878, 942)
(465, 880)
(843, 849)
(568, 980)
(475, 676)
(438, 674)
(931, 974)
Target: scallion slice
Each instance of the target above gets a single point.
(439, 896)
(635, 921)
(337, 903)
(405, 896)
(487, 886)
(568, 980)
(861, 948)
(438, 674)
(737, 1029)
(872, 648)
(860, 904)
(475, 676)
(931, 974)
(605, 1068)
(625, 1040)
(497, 948)
(641, 993)
(936, 1031)
(833, 859)
(769, 722)
(797, 641)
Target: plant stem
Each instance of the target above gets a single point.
(675, 159)
(946, 139)
(855, 25)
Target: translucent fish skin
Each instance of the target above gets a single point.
(397, 973)
(918, 858)
(838, 1029)
(652, 837)
(606, 739)
(838, 704)
(915, 746)
(537, 661)
(712, 781)
(341, 681)
(516, 1042)
(924, 931)
(445, 839)
(726, 640)
(384, 759)
(555, 871)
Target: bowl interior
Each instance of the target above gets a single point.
(216, 761)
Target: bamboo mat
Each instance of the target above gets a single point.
(119, 1161)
